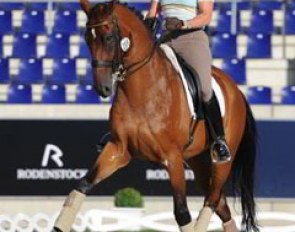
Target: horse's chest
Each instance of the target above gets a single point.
(142, 141)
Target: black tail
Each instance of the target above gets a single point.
(243, 173)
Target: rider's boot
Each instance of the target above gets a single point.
(219, 150)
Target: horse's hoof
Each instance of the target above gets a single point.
(56, 230)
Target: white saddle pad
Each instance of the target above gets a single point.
(216, 88)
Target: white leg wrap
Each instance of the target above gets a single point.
(187, 228)
(230, 226)
(70, 209)
(203, 219)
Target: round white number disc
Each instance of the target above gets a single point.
(125, 44)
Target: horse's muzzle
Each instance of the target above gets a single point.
(106, 91)
(103, 90)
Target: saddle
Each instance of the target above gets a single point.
(194, 86)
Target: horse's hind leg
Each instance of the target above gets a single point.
(216, 202)
(223, 211)
(202, 167)
(108, 162)
(174, 166)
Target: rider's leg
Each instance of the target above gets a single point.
(194, 48)
(219, 149)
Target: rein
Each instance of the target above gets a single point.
(120, 72)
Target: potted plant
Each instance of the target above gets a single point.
(129, 201)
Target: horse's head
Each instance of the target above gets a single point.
(101, 38)
(110, 36)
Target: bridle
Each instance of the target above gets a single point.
(119, 70)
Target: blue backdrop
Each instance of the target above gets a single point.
(276, 159)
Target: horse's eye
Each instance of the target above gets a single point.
(108, 39)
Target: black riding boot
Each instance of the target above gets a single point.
(219, 149)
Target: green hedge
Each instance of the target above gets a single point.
(128, 197)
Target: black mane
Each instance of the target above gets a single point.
(125, 4)
(133, 9)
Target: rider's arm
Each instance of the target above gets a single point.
(151, 20)
(204, 17)
(152, 13)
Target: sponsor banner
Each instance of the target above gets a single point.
(49, 157)
(46, 157)
(54, 153)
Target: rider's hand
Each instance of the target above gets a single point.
(150, 22)
(173, 23)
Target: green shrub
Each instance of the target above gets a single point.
(128, 197)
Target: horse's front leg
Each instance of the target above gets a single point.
(174, 166)
(109, 161)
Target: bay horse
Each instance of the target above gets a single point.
(150, 119)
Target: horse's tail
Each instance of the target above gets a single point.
(243, 172)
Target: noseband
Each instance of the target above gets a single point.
(119, 71)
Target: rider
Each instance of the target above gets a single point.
(187, 19)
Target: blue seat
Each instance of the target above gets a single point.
(72, 6)
(53, 94)
(259, 95)
(65, 21)
(84, 50)
(140, 6)
(4, 71)
(85, 94)
(19, 94)
(291, 5)
(1, 46)
(224, 21)
(11, 6)
(290, 22)
(39, 6)
(30, 71)
(258, 45)
(33, 21)
(25, 45)
(288, 95)
(236, 68)
(244, 5)
(224, 45)
(261, 21)
(58, 46)
(6, 22)
(269, 5)
(241, 5)
(64, 71)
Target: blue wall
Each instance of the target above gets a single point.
(276, 159)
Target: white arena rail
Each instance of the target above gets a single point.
(93, 220)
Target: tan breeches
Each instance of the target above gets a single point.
(195, 50)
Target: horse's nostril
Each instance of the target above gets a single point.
(107, 89)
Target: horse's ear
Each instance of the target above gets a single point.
(85, 5)
(113, 4)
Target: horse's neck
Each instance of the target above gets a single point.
(152, 82)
